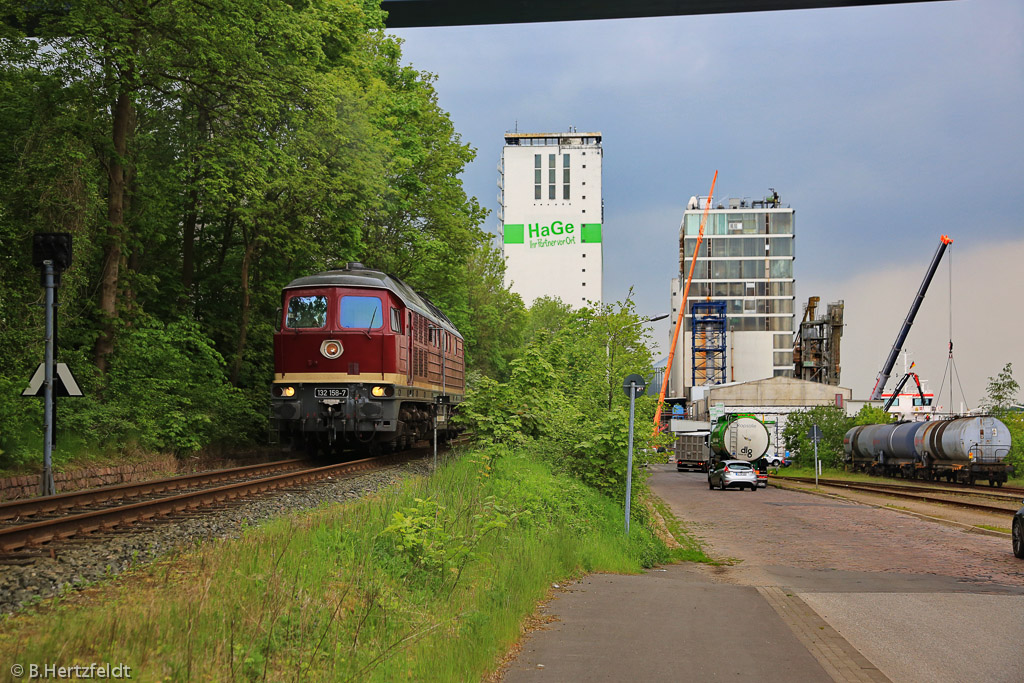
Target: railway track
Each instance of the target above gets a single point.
(18, 510)
(941, 495)
(271, 477)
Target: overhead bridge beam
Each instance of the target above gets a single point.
(413, 13)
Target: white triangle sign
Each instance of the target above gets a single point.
(64, 383)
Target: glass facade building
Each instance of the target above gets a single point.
(746, 260)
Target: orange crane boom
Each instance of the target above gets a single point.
(682, 306)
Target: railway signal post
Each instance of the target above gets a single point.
(634, 386)
(51, 253)
(442, 402)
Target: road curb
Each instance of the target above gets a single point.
(836, 655)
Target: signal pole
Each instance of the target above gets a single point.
(51, 253)
(48, 488)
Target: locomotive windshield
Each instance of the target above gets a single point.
(361, 312)
(307, 311)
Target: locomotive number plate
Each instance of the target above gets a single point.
(331, 393)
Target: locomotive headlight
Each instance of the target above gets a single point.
(379, 392)
(331, 348)
(284, 392)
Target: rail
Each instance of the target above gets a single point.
(919, 493)
(19, 509)
(36, 533)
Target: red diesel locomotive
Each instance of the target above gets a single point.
(361, 360)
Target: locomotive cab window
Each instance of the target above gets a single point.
(396, 320)
(306, 312)
(361, 312)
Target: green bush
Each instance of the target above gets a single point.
(166, 391)
(832, 422)
(563, 398)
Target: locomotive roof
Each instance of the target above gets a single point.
(358, 275)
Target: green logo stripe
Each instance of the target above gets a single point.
(514, 233)
(590, 233)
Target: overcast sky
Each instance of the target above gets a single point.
(883, 127)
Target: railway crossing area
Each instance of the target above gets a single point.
(811, 589)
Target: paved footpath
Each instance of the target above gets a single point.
(819, 589)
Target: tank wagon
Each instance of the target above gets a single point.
(361, 360)
(739, 437)
(963, 449)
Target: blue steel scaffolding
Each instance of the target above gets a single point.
(708, 348)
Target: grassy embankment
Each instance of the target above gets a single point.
(430, 581)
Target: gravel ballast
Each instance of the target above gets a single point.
(63, 566)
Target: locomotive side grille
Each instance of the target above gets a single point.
(420, 367)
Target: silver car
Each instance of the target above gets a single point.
(732, 474)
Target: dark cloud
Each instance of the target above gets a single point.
(883, 127)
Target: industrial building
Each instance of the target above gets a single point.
(816, 345)
(771, 400)
(739, 318)
(550, 216)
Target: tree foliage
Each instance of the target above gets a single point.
(1002, 391)
(1000, 400)
(558, 395)
(871, 415)
(833, 423)
(202, 156)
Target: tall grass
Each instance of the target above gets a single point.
(429, 581)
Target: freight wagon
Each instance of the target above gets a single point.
(964, 449)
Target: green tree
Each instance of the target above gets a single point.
(1000, 398)
(558, 392)
(204, 159)
(494, 316)
(547, 314)
(833, 423)
(1014, 421)
(1002, 391)
(871, 415)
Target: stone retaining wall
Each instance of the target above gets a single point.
(29, 486)
(154, 467)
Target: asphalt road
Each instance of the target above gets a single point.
(920, 600)
(815, 589)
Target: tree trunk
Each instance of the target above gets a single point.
(115, 227)
(191, 221)
(236, 369)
